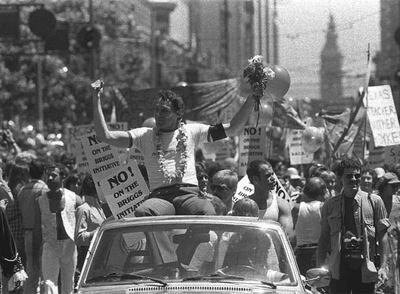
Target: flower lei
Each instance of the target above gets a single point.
(258, 75)
(181, 149)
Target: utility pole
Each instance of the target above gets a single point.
(39, 85)
(267, 29)
(275, 36)
(92, 49)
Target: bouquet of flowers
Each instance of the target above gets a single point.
(257, 75)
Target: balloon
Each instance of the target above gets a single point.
(279, 85)
(264, 115)
(312, 139)
(149, 122)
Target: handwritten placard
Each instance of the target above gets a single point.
(297, 154)
(245, 189)
(251, 146)
(382, 116)
(125, 189)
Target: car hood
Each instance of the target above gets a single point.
(193, 287)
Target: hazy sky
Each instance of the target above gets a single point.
(302, 26)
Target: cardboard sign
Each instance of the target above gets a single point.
(125, 190)
(382, 116)
(297, 154)
(102, 160)
(73, 141)
(251, 146)
(245, 189)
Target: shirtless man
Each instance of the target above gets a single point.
(271, 207)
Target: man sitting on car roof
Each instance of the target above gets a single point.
(168, 150)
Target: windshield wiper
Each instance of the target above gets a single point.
(219, 276)
(126, 277)
(215, 276)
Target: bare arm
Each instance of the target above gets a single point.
(324, 238)
(116, 138)
(285, 218)
(239, 120)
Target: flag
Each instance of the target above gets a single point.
(336, 124)
(285, 116)
(119, 97)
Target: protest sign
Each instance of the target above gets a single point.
(251, 146)
(102, 159)
(74, 145)
(297, 154)
(382, 116)
(245, 189)
(124, 189)
(135, 154)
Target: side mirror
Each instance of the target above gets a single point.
(318, 277)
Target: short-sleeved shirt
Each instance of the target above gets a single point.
(144, 139)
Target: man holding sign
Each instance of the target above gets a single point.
(271, 206)
(168, 151)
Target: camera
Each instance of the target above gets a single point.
(353, 248)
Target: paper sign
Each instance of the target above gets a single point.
(251, 146)
(245, 189)
(74, 145)
(125, 190)
(382, 116)
(297, 154)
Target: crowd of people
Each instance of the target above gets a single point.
(50, 213)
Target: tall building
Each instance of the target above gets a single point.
(227, 33)
(331, 87)
(388, 59)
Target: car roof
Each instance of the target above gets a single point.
(189, 219)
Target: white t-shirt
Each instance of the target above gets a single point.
(143, 139)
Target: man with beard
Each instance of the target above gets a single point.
(55, 226)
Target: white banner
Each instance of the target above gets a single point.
(382, 116)
(251, 146)
(297, 154)
(125, 190)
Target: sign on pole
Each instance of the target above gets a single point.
(125, 189)
(297, 154)
(251, 146)
(382, 116)
(102, 158)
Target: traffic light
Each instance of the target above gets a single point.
(88, 37)
(42, 22)
(9, 22)
(59, 39)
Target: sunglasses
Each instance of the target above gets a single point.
(219, 188)
(202, 177)
(350, 176)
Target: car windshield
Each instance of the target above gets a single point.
(191, 252)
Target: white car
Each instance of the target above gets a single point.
(192, 254)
